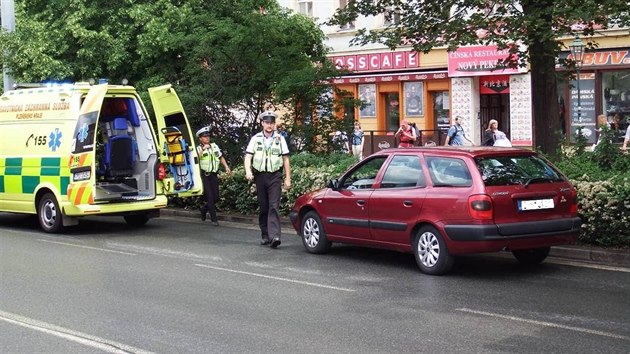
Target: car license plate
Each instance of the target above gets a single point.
(536, 204)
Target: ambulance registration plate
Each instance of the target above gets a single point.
(536, 204)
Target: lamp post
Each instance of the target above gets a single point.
(577, 51)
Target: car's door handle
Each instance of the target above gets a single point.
(361, 202)
(407, 203)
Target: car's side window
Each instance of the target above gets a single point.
(448, 172)
(363, 176)
(403, 171)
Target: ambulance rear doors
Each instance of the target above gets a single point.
(177, 143)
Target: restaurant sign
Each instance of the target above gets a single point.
(479, 61)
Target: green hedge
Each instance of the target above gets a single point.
(602, 179)
(308, 172)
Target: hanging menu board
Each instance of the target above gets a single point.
(586, 120)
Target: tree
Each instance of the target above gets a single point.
(530, 29)
(226, 58)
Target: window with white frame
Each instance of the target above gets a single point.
(305, 7)
(347, 26)
(391, 17)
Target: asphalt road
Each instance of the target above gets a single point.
(182, 286)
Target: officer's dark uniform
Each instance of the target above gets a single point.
(267, 162)
(209, 160)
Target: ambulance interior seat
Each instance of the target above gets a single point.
(120, 150)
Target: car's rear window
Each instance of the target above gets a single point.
(506, 170)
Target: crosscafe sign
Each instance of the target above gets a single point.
(378, 61)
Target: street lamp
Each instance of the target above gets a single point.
(577, 51)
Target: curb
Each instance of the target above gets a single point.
(586, 254)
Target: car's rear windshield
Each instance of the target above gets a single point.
(508, 170)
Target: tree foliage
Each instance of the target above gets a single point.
(226, 58)
(531, 29)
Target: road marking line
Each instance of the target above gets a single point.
(546, 324)
(68, 334)
(588, 265)
(87, 247)
(277, 278)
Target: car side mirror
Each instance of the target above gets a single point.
(333, 184)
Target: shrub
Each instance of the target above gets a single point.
(602, 179)
(605, 211)
(309, 172)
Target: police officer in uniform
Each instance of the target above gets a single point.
(266, 156)
(210, 156)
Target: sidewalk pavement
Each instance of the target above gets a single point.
(569, 253)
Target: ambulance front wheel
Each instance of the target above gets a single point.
(136, 219)
(49, 214)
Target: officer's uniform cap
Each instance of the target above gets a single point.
(267, 116)
(203, 131)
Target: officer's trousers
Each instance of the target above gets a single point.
(210, 193)
(268, 190)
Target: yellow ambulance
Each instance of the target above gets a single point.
(70, 151)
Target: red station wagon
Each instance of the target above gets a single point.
(438, 202)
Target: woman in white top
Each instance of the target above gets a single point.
(494, 137)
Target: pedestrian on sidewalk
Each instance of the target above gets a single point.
(266, 156)
(210, 156)
(405, 134)
(357, 141)
(456, 134)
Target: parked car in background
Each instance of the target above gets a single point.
(438, 202)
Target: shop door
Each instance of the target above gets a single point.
(441, 109)
(392, 111)
(495, 106)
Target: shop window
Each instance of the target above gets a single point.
(616, 94)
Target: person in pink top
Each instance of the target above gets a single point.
(405, 134)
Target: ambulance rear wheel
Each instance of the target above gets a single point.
(49, 214)
(136, 219)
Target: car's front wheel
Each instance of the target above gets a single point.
(532, 256)
(313, 234)
(431, 253)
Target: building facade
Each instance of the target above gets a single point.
(431, 89)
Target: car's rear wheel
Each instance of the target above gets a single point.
(49, 214)
(531, 256)
(431, 253)
(136, 220)
(313, 234)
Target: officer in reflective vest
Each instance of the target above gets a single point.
(210, 156)
(266, 156)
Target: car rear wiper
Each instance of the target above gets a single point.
(538, 179)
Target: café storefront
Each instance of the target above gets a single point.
(604, 89)
(393, 86)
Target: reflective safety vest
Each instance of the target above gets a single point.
(267, 158)
(209, 158)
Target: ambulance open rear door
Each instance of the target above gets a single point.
(176, 143)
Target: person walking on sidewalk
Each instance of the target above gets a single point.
(209, 158)
(456, 134)
(266, 156)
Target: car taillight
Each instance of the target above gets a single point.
(574, 201)
(480, 206)
(161, 171)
